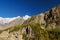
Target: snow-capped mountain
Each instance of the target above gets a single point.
(9, 22)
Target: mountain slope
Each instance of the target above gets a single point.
(49, 21)
(17, 21)
(11, 22)
(44, 26)
(51, 17)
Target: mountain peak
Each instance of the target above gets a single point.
(26, 17)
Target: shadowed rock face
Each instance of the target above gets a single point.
(53, 14)
(52, 17)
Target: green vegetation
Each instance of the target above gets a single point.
(39, 33)
(16, 28)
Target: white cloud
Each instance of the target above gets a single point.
(26, 17)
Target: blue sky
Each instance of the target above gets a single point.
(12, 8)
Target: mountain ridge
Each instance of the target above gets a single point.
(10, 22)
(44, 26)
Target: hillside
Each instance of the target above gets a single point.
(44, 26)
(50, 18)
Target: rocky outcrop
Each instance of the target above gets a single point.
(16, 35)
(5, 35)
(52, 17)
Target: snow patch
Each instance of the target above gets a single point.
(26, 17)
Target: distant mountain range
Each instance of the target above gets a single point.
(10, 22)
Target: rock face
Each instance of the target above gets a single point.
(11, 36)
(38, 27)
(16, 35)
(49, 18)
(52, 17)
